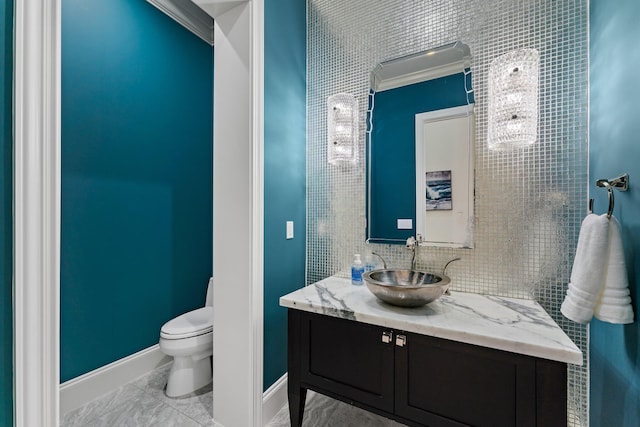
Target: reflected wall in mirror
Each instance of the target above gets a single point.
(444, 177)
(402, 88)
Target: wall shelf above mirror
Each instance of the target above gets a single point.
(401, 89)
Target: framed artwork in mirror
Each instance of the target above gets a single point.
(438, 195)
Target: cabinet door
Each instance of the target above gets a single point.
(445, 383)
(347, 359)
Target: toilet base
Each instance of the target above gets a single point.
(188, 375)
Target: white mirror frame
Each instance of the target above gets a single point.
(449, 228)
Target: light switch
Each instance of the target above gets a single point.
(405, 224)
(289, 229)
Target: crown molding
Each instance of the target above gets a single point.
(190, 16)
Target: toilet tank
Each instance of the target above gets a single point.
(209, 300)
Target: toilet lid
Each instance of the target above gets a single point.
(196, 322)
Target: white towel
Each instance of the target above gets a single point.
(614, 302)
(588, 273)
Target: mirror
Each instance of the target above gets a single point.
(420, 149)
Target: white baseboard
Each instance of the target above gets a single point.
(274, 398)
(83, 389)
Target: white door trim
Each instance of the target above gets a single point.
(238, 211)
(257, 209)
(36, 282)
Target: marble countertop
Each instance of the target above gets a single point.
(511, 324)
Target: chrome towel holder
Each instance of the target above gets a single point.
(620, 183)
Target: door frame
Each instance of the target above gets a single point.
(36, 205)
(37, 177)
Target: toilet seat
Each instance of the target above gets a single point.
(191, 324)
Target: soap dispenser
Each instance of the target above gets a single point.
(369, 263)
(357, 268)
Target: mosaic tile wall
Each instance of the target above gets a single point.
(529, 203)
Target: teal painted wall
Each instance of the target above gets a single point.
(285, 171)
(137, 108)
(6, 221)
(615, 149)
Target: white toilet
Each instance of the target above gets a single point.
(189, 339)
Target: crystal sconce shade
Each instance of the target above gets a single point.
(513, 100)
(342, 128)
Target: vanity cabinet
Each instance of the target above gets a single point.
(420, 380)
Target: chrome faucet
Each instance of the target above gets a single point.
(444, 273)
(384, 263)
(413, 244)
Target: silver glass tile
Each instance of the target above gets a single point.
(529, 203)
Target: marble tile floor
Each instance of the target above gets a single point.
(142, 403)
(323, 411)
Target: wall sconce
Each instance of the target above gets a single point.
(513, 100)
(342, 128)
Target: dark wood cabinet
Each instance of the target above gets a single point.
(363, 372)
(420, 380)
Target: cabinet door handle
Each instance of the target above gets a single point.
(387, 337)
(401, 340)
